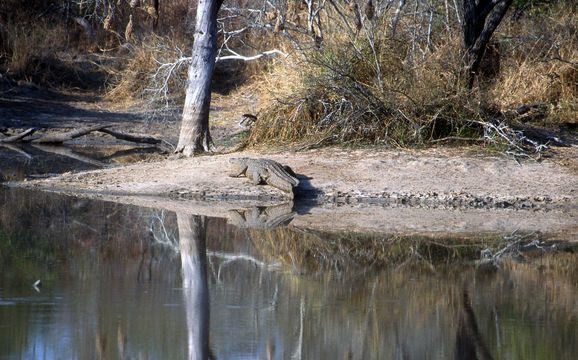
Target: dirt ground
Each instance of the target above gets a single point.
(434, 191)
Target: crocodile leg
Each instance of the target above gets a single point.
(254, 175)
(277, 178)
(279, 183)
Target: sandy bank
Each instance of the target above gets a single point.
(434, 191)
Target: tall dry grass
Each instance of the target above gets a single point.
(406, 87)
(540, 61)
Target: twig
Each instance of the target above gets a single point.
(251, 58)
(456, 138)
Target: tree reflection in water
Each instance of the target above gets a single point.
(469, 342)
(193, 250)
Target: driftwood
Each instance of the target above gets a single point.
(59, 138)
(62, 137)
(132, 138)
(17, 137)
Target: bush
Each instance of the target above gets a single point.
(372, 84)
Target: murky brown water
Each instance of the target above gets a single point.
(137, 283)
(129, 282)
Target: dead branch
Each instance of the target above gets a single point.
(236, 56)
(17, 137)
(456, 138)
(62, 137)
(131, 138)
(511, 137)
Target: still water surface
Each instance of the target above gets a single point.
(125, 282)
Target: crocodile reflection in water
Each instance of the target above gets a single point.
(263, 217)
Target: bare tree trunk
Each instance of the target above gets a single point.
(195, 135)
(156, 18)
(480, 20)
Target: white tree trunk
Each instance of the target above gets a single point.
(194, 135)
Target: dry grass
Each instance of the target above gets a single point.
(141, 78)
(40, 56)
(540, 62)
(337, 96)
(375, 87)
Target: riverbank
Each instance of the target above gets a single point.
(424, 191)
(428, 178)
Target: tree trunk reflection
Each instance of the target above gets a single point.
(469, 342)
(192, 244)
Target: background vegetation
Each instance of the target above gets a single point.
(380, 72)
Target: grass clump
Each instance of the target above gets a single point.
(345, 97)
(403, 85)
(540, 62)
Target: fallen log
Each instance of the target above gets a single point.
(131, 138)
(62, 137)
(17, 137)
(59, 138)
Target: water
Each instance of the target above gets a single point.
(130, 282)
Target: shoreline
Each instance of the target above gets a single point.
(428, 192)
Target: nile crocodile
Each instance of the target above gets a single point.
(265, 171)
